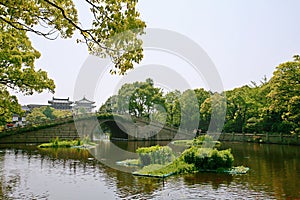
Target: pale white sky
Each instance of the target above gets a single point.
(245, 39)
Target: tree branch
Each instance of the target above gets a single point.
(82, 31)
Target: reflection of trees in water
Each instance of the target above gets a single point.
(2, 179)
(78, 161)
(8, 182)
(127, 184)
(273, 167)
(11, 178)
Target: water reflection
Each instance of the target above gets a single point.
(274, 168)
(30, 173)
(215, 180)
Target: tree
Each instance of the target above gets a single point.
(141, 99)
(173, 109)
(284, 94)
(236, 110)
(189, 110)
(111, 105)
(284, 84)
(8, 106)
(202, 95)
(113, 32)
(17, 71)
(256, 116)
(147, 99)
(48, 112)
(51, 18)
(36, 116)
(39, 115)
(212, 111)
(293, 114)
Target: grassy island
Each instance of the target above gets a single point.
(56, 143)
(199, 141)
(158, 161)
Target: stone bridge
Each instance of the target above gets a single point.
(95, 127)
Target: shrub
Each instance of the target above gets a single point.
(205, 158)
(155, 155)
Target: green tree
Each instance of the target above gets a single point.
(113, 32)
(48, 112)
(17, 71)
(189, 110)
(111, 105)
(140, 99)
(202, 95)
(51, 18)
(284, 94)
(242, 103)
(8, 106)
(247, 108)
(212, 111)
(293, 114)
(143, 99)
(39, 115)
(173, 109)
(36, 116)
(258, 117)
(236, 111)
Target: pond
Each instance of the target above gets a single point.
(27, 172)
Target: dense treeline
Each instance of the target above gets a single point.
(271, 106)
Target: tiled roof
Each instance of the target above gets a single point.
(60, 100)
(84, 101)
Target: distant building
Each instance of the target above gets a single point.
(84, 104)
(61, 104)
(18, 120)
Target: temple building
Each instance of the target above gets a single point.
(84, 105)
(61, 104)
(18, 120)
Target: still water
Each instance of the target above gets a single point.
(27, 172)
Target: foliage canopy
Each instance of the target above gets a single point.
(113, 32)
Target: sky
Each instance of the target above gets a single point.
(245, 40)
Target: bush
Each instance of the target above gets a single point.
(205, 140)
(204, 158)
(155, 155)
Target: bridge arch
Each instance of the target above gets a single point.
(112, 128)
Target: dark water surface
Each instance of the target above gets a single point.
(29, 173)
